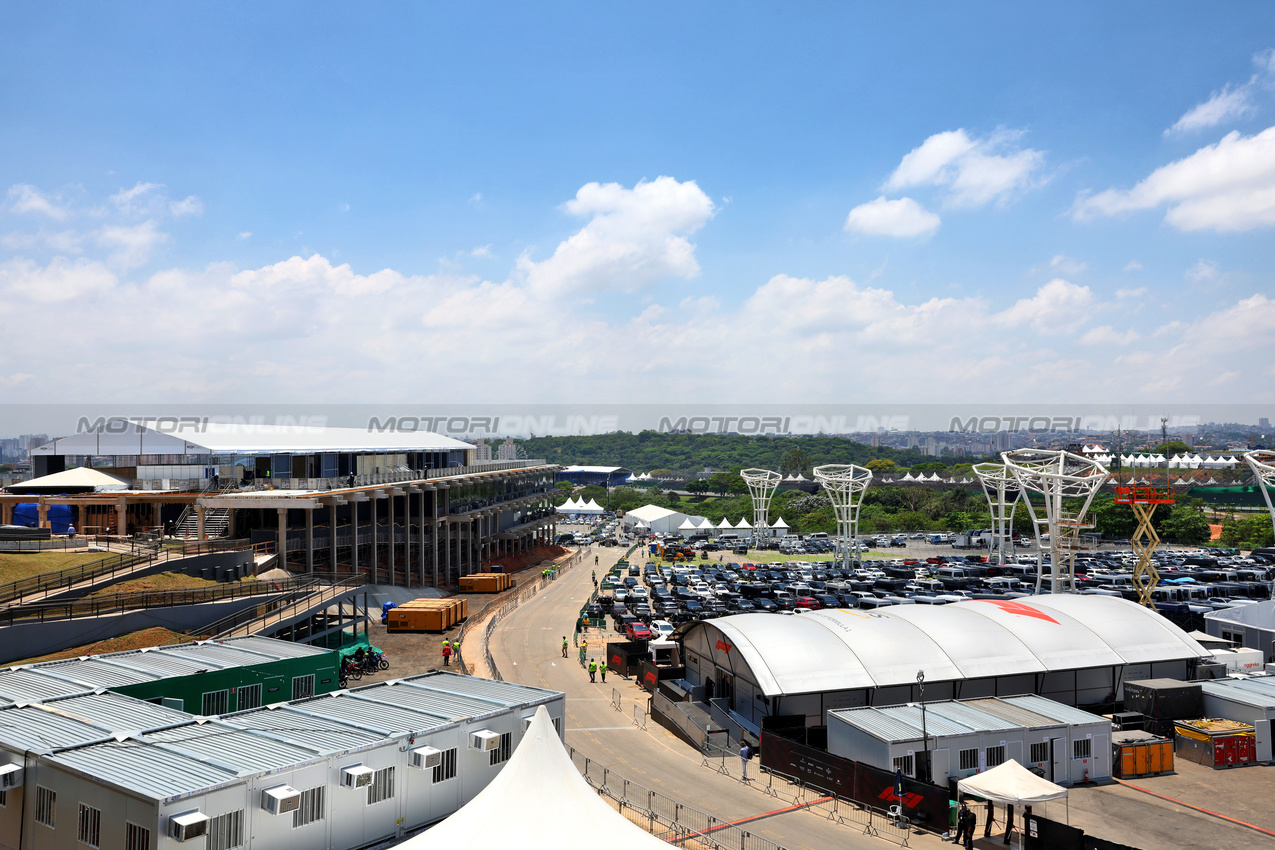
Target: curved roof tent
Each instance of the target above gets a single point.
(844, 649)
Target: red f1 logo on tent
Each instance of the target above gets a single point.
(1020, 609)
(723, 645)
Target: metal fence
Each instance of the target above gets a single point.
(664, 817)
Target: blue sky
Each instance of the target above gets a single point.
(423, 202)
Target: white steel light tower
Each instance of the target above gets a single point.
(1262, 462)
(1003, 492)
(761, 486)
(845, 485)
(1063, 479)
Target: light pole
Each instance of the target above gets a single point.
(925, 735)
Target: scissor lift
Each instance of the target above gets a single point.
(1144, 501)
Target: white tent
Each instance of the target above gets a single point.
(780, 525)
(539, 801)
(1012, 784)
(745, 525)
(591, 508)
(569, 506)
(687, 528)
(705, 524)
(725, 525)
(81, 479)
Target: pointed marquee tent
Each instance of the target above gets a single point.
(539, 801)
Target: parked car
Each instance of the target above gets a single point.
(637, 631)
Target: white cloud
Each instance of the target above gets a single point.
(57, 283)
(1223, 106)
(476, 198)
(1124, 294)
(634, 238)
(246, 234)
(1204, 271)
(1057, 307)
(1107, 335)
(1063, 264)
(131, 245)
(190, 205)
(973, 172)
(59, 241)
(481, 251)
(1133, 266)
(139, 200)
(1228, 186)
(25, 199)
(1232, 102)
(903, 217)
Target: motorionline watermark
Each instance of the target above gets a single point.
(1096, 423)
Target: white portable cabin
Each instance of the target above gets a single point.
(1247, 700)
(961, 741)
(338, 771)
(967, 738)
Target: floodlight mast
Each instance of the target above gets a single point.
(1057, 475)
(1003, 493)
(845, 485)
(1262, 463)
(761, 487)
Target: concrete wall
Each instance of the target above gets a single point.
(217, 566)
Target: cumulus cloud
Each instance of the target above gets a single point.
(1231, 102)
(131, 246)
(58, 282)
(1204, 271)
(1063, 264)
(1124, 294)
(1133, 266)
(903, 218)
(1057, 307)
(1228, 186)
(190, 205)
(971, 171)
(26, 199)
(634, 238)
(1107, 335)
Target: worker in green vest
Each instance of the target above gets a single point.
(564, 646)
(593, 670)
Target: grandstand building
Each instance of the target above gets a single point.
(407, 507)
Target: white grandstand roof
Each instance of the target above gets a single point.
(203, 438)
(843, 649)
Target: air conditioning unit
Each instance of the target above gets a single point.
(357, 776)
(10, 775)
(281, 799)
(485, 740)
(426, 757)
(188, 826)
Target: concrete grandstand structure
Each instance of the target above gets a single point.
(1073, 649)
(408, 507)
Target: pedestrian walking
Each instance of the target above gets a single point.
(447, 654)
(593, 670)
(602, 668)
(745, 753)
(564, 646)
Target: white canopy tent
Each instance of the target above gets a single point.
(539, 801)
(570, 506)
(591, 508)
(1012, 784)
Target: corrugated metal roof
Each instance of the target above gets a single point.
(1056, 710)
(323, 734)
(144, 769)
(211, 653)
(159, 663)
(1255, 692)
(1015, 713)
(383, 717)
(502, 693)
(971, 717)
(96, 673)
(230, 746)
(418, 698)
(29, 685)
(118, 712)
(35, 729)
(276, 649)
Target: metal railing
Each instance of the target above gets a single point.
(143, 553)
(307, 588)
(664, 817)
(118, 603)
